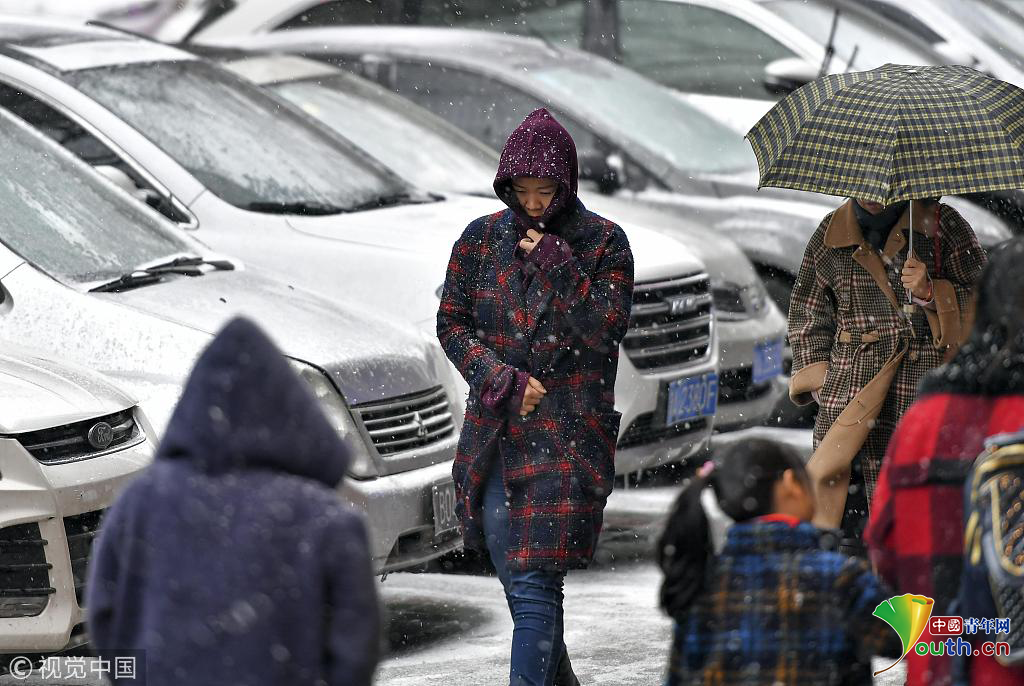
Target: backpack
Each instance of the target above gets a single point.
(992, 584)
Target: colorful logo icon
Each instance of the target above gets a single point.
(908, 615)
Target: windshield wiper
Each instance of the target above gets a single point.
(393, 200)
(295, 207)
(146, 276)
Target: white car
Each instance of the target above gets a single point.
(69, 441)
(89, 275)
(257, 179)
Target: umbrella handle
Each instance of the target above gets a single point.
(909, 306)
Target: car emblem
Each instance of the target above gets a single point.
(421, 426)
(101, 435)
(682, 303)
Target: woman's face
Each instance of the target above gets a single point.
(872, 207)
(534, 194)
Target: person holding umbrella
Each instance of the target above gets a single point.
(884, 291)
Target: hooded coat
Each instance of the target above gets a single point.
(231, 559)
(557, 315)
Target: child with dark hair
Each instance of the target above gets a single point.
(773, 607)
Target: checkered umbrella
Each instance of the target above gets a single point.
(895, 133)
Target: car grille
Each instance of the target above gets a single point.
(737, 386)
(407, 422)
(643, 431)
(80, 531)
(665, 335)
(71, 441)
(24, 571)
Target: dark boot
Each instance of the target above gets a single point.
(565, 676)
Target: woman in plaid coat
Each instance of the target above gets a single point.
(856, 353)
(535, 303)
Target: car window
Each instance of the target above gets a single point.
(68, 222)
(238, 141)
(903, 18)
(412, 143)
(556, 20)
(696, 49)
(860, 43)
(483, 107)
(88, 148)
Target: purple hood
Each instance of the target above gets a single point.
(542, 148)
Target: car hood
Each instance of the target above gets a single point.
(368, 357)
(421, 238)
(39, 393)
(722, 258)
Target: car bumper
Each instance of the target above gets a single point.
(399, 511)
(65, 503)
(644, 441)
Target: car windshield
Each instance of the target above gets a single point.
(236, 140)
(62, 217)
(875, 43)
(998, 24)
(441, 159)
(618, 100)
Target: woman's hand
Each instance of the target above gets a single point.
(915, 279)
(530, 242)
(531, 398)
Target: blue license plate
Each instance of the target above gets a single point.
(767, 361)
(692, 398)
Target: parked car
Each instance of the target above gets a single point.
(635, 140)
(431, 153)
(317, 211)
(69, 441)
(92, 276)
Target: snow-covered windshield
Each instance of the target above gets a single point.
(650, 115)
(63, 218)
(236, 140)
(442, 159)
(860, 44)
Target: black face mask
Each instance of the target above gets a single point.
(876, 227)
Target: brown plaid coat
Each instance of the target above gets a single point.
(840, 295)
(564, 328)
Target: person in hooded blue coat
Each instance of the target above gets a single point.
(231, 559)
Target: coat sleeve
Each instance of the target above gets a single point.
(596, 307)
(963, 258)
(456, 325)
(860, 591)
(812, 322)
(353, 619)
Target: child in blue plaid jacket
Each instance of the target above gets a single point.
(774, 607)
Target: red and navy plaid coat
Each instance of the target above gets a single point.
(558, 316)
(916, 531)
(564, 329)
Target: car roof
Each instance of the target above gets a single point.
(467, 47)
(65, 46)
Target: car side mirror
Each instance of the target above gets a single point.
(127, 184)
(786, 75)
(606, 170)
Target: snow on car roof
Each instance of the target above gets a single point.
(70, 46)
(102, 53)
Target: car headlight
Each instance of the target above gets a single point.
(734, 303)
(361, 464)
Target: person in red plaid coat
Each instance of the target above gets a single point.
(536, 300)
(916, 532)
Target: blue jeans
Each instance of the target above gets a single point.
(534, 597)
